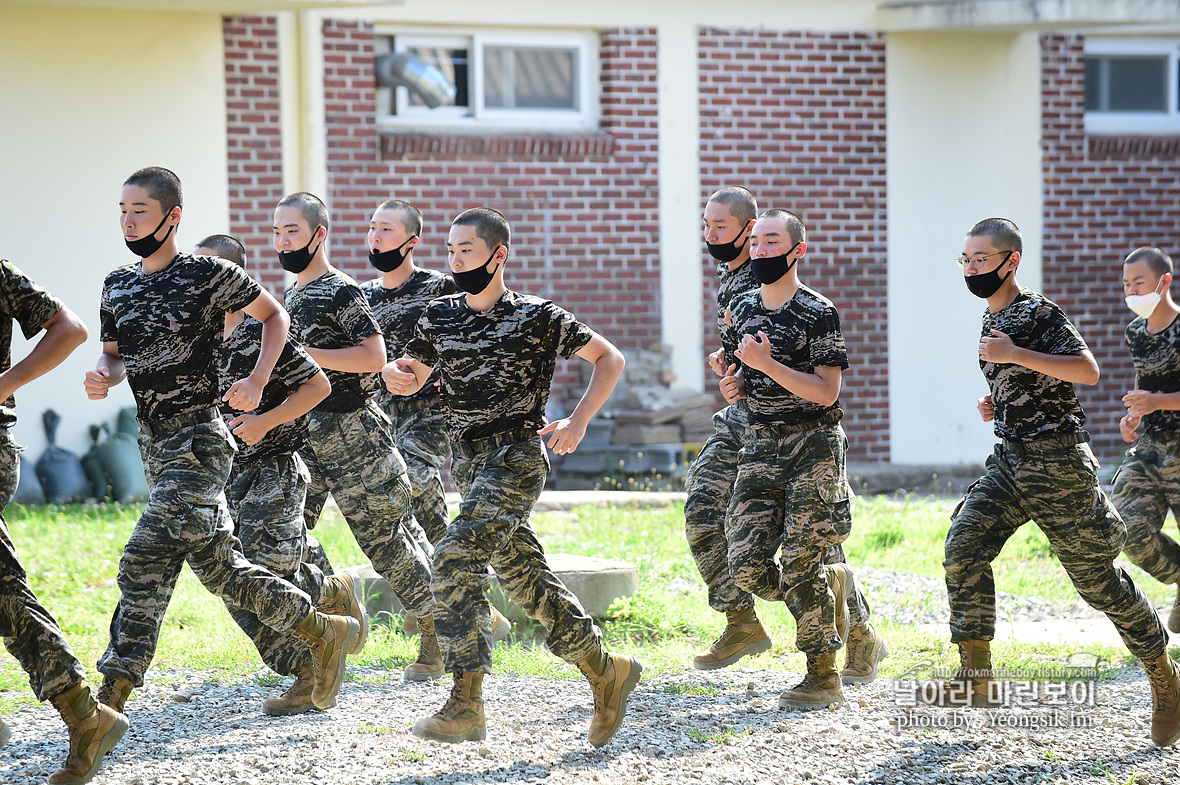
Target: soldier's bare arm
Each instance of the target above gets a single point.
(1076, 368)
(250, 428)
(64, 332)
(821, 386)
(368, 356)
(245, 394)
(565, 434)
(405, 375)
(109, 371)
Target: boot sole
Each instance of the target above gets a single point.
(329, 700)
(628, 687)
(753, 648)
(363, 621)
(853, 679)
(1167, 742)
(477, 733)
(309, 706)
(424, 675)
(794, 705)
(106, 745)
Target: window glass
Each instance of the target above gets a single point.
(453, 64)
(530, 78)
(1123, 83)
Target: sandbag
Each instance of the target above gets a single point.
(28, 490)
(120, 459)
(92, 465)
(59, 470)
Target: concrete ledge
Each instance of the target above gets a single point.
(595, 582)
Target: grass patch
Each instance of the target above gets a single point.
(691, 689)
(721, 737)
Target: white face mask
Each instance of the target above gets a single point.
(1143, 304)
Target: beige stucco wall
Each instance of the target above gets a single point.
(89, 96)
(963, 115)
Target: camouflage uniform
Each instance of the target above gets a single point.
(496, 367)
(168, 326)
(352, 445)
(30, 632)
(417, 419)
(1147, 484)
(791, 489)
(1042, 470)
(709, 483)
(266, 488)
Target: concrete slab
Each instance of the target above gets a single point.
(595, 582)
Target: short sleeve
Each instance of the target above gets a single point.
(572, 335)
(29, 304)
(233, 289)
(108, 325)
(1054, 333)
(826, 342)
(420, 347)
(354, 314)
(295, 365)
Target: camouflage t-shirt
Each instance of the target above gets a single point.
(31, 306)
(1029, 404)
(398, 310)
(1157, 368)
(804, 335)
(168, 325)
(332, 312)
(731, 284)
(238, 355)
(496, 365)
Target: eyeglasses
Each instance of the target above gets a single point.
(969, 261)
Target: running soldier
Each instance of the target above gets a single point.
(350, 440)
(496, 351)
(162, 320)
(30, 632)
(792, 354)
(1043, 470)
(1147, 484)
(398, 299)
(730, 213)
(267, 484)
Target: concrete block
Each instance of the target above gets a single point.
(595, 582)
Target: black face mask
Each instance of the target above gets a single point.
(388, 261)
(769, 269)
(727, 252)
(475, 281)
(985, 285)
(298, 260)
(146, 246)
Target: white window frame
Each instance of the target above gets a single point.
(477, 116)
(1138, 123)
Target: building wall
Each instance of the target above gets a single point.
(799, 119)
(88, 97)
(583, 206)
(1104, 196)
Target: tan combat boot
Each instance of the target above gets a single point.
(819, 689)
(409, 623)
(612, 677)
(330, 638)
(297, 698)
(342, 597)
(1174, 616)
(5, 733)
(95, 729)
(863, 652)
(1164, 678)
(114, 692)
(837, 575)
(461, 718)
(501, 627)
(972, 684)
(743, 635)
(429, 664)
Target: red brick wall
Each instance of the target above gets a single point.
(253, 140)
(799, 119)
(583, 206)
(1104, 196)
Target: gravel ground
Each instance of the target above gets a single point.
(722, 727)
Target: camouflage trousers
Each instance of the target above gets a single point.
(792, 493)
(1055, 484)
(1146, 486)
(355, 455)
(709, 486)
(422, 440)
(500, 479)
(30, 632)
(266, 503)
(187, 461)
